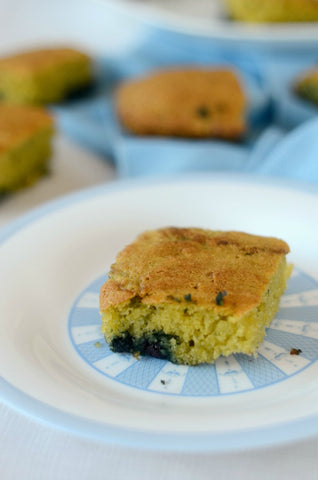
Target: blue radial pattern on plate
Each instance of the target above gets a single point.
(295, 326)
(260, 371)
(202, 378)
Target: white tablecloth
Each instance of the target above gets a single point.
(33, 450)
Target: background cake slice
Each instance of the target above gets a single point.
(307, 86)
(185, 102)
(273, 10)
(25, 145)
(190, 295)
(44, 76)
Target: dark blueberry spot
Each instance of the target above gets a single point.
(203, 112)
(122, 343)
(219, 298)
(155, 351)
(155, 344)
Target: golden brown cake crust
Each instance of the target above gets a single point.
(183, 102)
(18, 123)
(172, 264)
(36, 60)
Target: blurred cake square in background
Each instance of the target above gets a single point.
(44, 76)
(307, 85)
(25, 145)
(183, 102)
(273, 10)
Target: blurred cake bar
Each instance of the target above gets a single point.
(190, 295)
(189, 102)
(307, 86)
(273, 10)
(44, 76)
(25, 145)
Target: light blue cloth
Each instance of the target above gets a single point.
(273, 110)
(295, 155)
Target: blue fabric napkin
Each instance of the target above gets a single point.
(295, 155)
(272, 111)
(276, 153)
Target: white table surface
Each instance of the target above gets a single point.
(33, 450)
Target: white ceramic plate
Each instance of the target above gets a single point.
(208, 18)
(55, 366)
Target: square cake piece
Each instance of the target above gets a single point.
(187, 102)
(307, 86)
(44, 76)
(190, 295)
(25, 145)
(273, 10)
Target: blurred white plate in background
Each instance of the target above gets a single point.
(208, 18)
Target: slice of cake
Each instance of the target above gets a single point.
(190, 295)
(307, 86)
(25, 145)
(44, 76)
(273, 10)
(194, 103)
